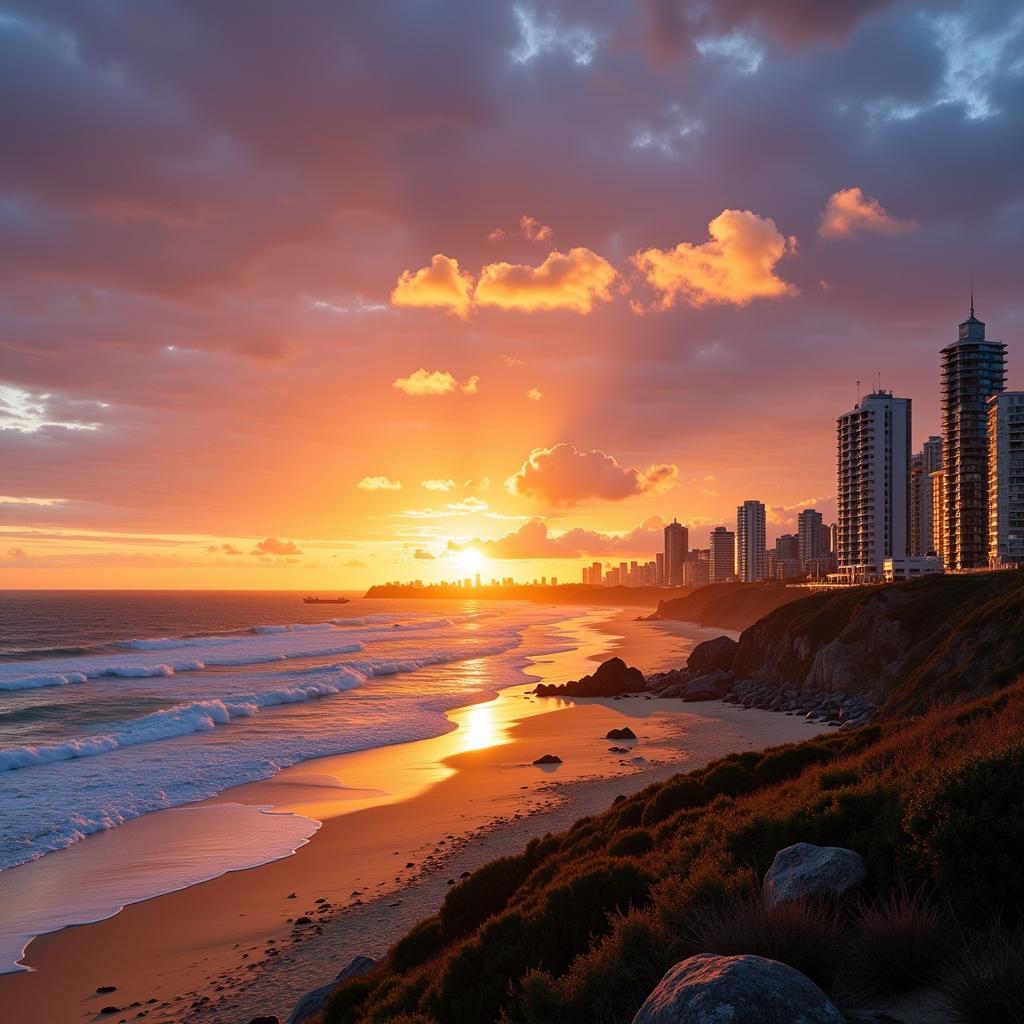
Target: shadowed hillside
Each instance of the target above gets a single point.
(728, 605)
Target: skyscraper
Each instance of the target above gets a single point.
(751, 564)
(873, 456)
(812, 542)
(972, 370)
(1006, 479)
(722, 547)
(677, 539)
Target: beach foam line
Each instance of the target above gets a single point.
(82, 885)
(180, 720)
(37, 682)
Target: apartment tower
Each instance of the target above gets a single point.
(973, 369)
(722, 557)
(873, 457)
(751, 559)
(1006, 479)
(677, 540)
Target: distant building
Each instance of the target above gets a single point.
(909, 567)
(1006, 479)
(659, 564)
(722, 555)
(676, 542)
(812, 536)
(787, 547)
(922, 465)
(873, 455)
(972, 370)
(697, 568)
(751, 564)
(595, 574)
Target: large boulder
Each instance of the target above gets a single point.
(612, 678)
(711, 686)
(709, 989)
(713, 654)
(804, 871)
(312, 1003)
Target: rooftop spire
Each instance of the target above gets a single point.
(972, 295)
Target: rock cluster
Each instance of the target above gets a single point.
(611, 679)
(848, 711)
(310, 1005)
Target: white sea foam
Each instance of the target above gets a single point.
(38, 682)
(167, 723)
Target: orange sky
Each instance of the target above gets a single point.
(322, 303)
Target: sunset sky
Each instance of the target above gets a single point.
(319, 295)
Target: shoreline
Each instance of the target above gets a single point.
(233, 932)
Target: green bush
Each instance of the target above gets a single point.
(788, 763)
(730, 780)
(484, 893)
(678, 795)
(634, 843)
(418, 946)
(966, 823)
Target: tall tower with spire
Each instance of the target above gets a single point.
(973, 368)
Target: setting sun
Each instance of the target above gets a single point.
(470, 562)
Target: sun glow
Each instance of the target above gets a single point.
(470, 562)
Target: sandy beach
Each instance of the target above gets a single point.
(253, 941)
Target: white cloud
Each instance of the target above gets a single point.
(379, 483)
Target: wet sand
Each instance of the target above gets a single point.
(399, 823)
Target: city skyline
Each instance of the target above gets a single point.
(234, 356)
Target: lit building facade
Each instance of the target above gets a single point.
(677, 539)
(1006, 479)
(873, 460)
(973, 369)
(722, 555)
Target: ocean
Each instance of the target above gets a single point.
(113, 705)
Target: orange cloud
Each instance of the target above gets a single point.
(273, 546)
(529, 228)
(441, 286)
(849, 211)
(379, 483)
(736, 264)
(434, 382)
(576, 280)
(564, 475)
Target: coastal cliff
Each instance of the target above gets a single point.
(727, 605)
(940, 639)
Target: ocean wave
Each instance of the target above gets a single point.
(181, 720)
(37, 682)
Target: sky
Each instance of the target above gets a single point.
(319, 295)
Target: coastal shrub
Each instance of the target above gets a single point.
(677, 795)
(984, 984)
(418, 946)
(630, 815)
(483, 894)
(730, 780)
(806, 935)
(633, 843)
(965, 822)
(788, 762)
(608, 983)
(902, 941)
(837, 779)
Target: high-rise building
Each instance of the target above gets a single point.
(787, 547)
(873, 455)
(972, 370)
(809, 531)
(659, 568)
(751, 564)
(676, 542)
(722, 557)
(922, 465)
(595, 574)
(1006, 479)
